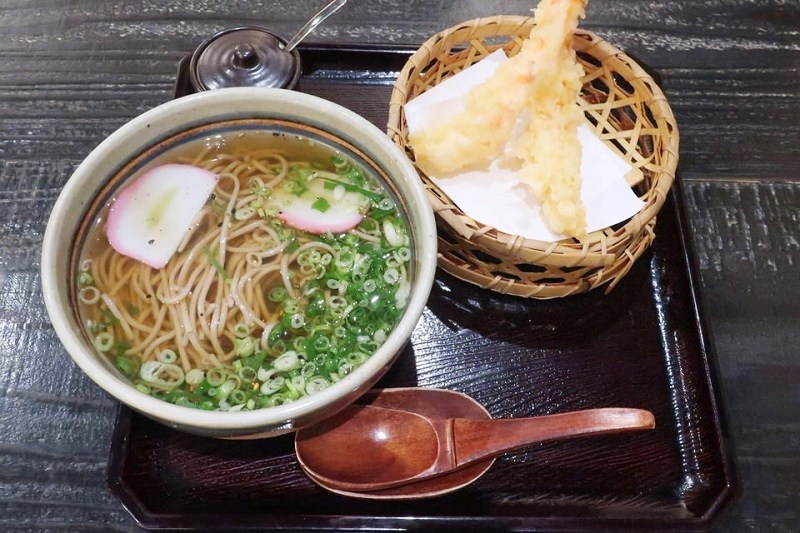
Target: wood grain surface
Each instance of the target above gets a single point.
(71, 72)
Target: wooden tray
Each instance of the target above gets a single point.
(643, 345)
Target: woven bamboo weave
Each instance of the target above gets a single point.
(629, 113)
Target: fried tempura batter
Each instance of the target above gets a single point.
(549, 149)
(544, 78)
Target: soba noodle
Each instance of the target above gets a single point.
(249, 312)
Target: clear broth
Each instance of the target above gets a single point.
(293, 322)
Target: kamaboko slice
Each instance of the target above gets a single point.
(149, 218)
(320, 209)
(301, 215)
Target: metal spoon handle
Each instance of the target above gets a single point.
(478, 439)
(315, 21)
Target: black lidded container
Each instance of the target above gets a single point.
(245, 56)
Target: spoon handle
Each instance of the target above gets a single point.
(315, 21)
(478, 439)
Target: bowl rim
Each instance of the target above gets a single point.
(89, 361)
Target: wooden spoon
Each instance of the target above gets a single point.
(433, 403)
(368, 448)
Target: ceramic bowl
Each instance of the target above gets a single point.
(95, 179)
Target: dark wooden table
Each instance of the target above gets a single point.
(73, 71)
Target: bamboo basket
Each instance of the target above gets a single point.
(629, 113)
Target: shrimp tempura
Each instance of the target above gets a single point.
(544, 78)
(549, 148)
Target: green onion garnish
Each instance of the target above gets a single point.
(108, 318)
(347, 296)
(215, 263)
(349, 187)
(321, 205)
(127, 365)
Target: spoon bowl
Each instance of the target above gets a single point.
(434, 403)
(369, 448)
(370, 435)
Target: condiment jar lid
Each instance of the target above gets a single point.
(244, 57)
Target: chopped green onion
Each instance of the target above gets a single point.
(255, 360)
(184, 402)
(338, 192)
(339, 163)
(345, 367)
(215, 377)
(322, 344)
(393, 232)
(278, 294)
(278, 399)
(195, 376)
(158, 374)
(244, 213)
(218, 206)
(168, 356)
(391, 276)
(103, 341)
(237, 397)
(257, 187)
(108, 317)
(272, 386)
(279, 346)
(307, 269)
(296, 385)
(215, 263)
(298, 321)
(299, 344)
(244, 347)
(224, 390)
(331, 184)
(127, 365)
(90, 296)
(321, 204)
(335, 302)
(286, 362)
(247, 374)
(263, 374)
(85, 278)
(308, 370)
(343, 260)
(316, 306)
(316, 384)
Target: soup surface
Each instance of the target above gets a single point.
(251, 312)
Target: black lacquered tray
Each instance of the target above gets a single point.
(643, 345)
